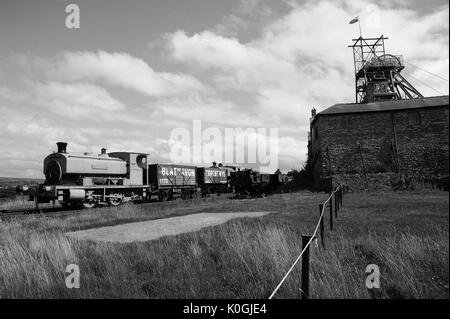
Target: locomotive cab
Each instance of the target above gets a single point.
(137, 163)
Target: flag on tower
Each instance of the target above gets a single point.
(354, 20)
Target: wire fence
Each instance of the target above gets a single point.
(338, 194)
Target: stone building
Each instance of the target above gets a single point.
(387, 139)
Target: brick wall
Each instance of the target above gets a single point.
(410, 141)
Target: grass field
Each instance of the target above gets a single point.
(404, 233)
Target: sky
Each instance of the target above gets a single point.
(137, 70)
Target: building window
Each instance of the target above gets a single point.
(316, 132)
(414, 119)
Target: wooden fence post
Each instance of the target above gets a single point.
(335, 204)
(322, 226)
(305, 267)
(339, 198)
(331, 211)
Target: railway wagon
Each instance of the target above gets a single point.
(242, 181)
(212, 180)
(170, 181)
(270, 182)
(252, 182)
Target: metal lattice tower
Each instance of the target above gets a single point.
(377, 74)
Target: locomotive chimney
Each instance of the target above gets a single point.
(61, 147)
(103, 151)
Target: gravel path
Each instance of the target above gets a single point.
(153, 229)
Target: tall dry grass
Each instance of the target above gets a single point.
(405, 234)
(32, 263)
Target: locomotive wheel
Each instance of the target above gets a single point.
(162, 196)
(88, 203)
(115, 201)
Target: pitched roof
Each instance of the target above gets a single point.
(380, 106)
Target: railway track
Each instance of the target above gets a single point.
(61, 211)
(47, 212)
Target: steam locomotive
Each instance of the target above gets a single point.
(90, 180)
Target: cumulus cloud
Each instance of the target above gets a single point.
(245, 62)
(84, 102)
(231, 25)
(301, 52)
(124, 70)
(75, 99)
(254, 7)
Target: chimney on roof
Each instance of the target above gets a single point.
(313, 112)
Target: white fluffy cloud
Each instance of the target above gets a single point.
(75, 99)
(301, 53)
(124, 70)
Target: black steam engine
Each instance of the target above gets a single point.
(91, 179)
